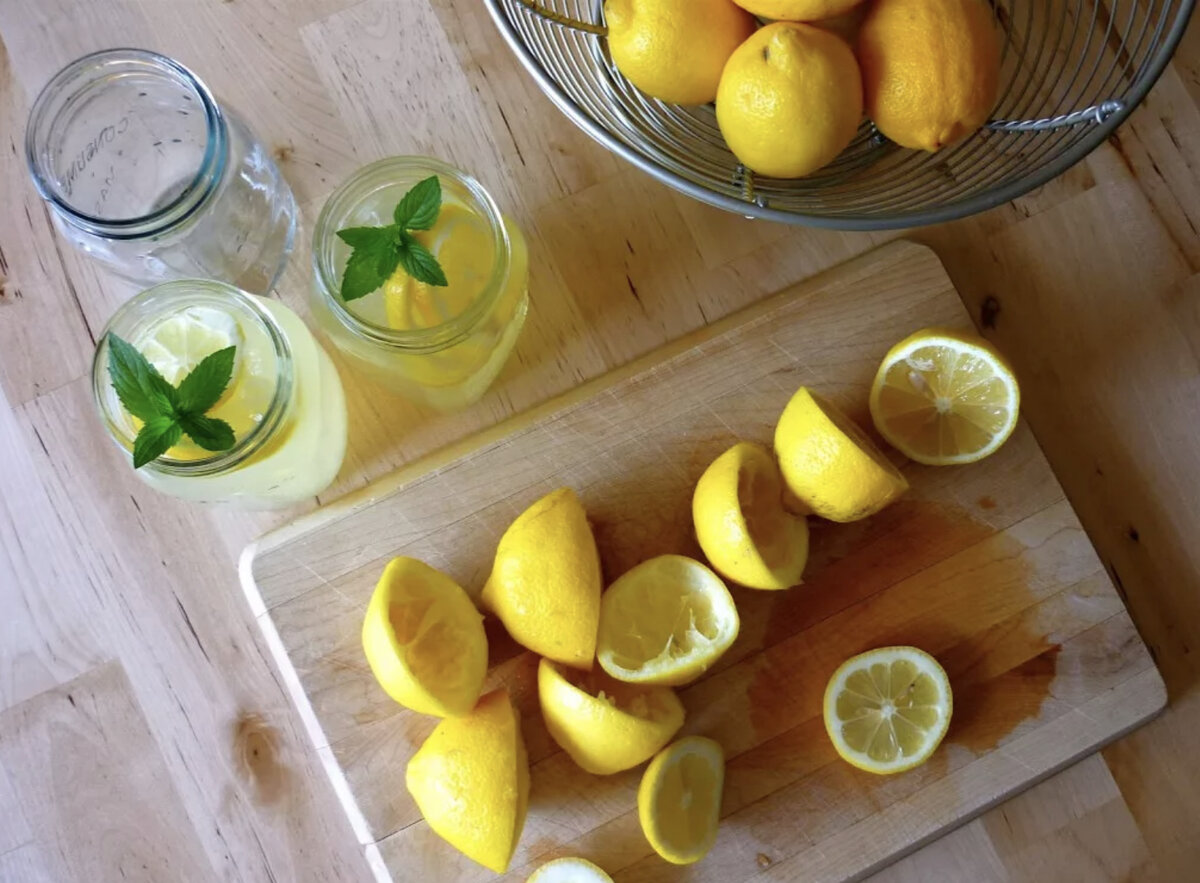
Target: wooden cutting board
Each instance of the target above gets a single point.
(986, 566)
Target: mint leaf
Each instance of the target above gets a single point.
(419, 208)
(205, 384)
(419, 263)
(356, 237)
(377, 251)
(371, 262)
(157, 436)
(167, 412)
(208, 432)
(143, 392)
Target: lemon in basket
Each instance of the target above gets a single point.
(790, 99)
(675, 50)
(931, 69)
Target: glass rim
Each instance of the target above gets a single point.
(425, 340)
(256, 438)
(41, 122)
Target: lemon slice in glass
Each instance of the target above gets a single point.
(176, 344)
(569, 870)
(679, 800)
(665, 622)
(887, 710)
(943, 397)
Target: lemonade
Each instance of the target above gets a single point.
(439, 345)
(283, 401)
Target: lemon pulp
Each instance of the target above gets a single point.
(665, 622)
(679, 799)
(887, 710)
(944, 397)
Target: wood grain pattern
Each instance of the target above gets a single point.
(90, 736)
(1012, 598)
(94, 566)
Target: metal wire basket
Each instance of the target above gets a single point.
(1073, 70)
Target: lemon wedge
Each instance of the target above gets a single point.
(665, 622)
(943, 397)
(679, 799)
(605, 725)
(742, 525)
(424, 639)
(470, 779)
(830, 464)
(887, 710)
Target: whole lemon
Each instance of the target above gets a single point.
(674, 50)
(931, 69)
(798, 10)
(790, 99)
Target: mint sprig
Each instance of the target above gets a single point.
(169, 412)
(376, 252)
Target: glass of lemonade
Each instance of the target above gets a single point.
(439, 345)
(284, 401)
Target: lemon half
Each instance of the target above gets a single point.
(569, 870)
(424, 639)
(830, 464)
(742, 525)
(679, 800)
(545, 582)
(470, 780)
(943, 397)
(887, 710)
(606, 726)
(665, 622)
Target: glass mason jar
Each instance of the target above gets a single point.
(144, 171)
(441, 346)
(284, 400)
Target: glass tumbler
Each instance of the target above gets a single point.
(144, 171)
(284, 401)
(440, 346)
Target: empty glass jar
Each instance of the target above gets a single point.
(144, 171)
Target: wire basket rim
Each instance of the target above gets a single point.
(951, 211)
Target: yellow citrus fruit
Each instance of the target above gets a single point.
(798, 10)
(943, 397)
(665, 622)
(679, 800)
(545, 583)
(790, 100)
(605, 725)
(887, 710)
(470, 780)
(462, 243)
(742, 525)
(569, 870)
(674, 50)
(931, 69)
(424, 639)
(830, 464)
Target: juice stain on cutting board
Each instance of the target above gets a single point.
(1000, 673)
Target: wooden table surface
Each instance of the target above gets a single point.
(143, 731)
